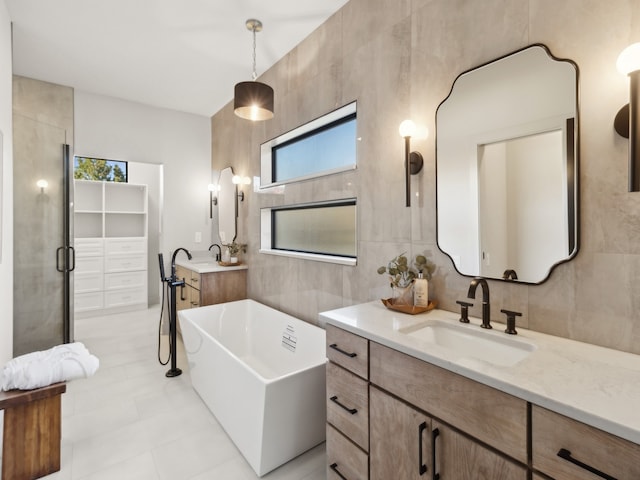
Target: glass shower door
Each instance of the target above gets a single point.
(43, 252)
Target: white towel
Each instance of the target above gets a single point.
(39, 369)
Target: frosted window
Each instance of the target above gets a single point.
(320, 229)
(329, 148)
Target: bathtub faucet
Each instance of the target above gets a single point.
(173, 261)
(219, 254)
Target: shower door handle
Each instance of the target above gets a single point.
(58, 250)
(73, 258)
(68, 257)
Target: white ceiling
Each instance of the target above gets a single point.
(184, 55)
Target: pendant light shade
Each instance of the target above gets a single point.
(253, 100)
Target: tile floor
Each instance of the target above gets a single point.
(131, 422)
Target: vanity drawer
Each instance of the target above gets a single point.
(125, 245)
(89, 265)
(84, 302)
(607, 453)
(120, 298)
(348, 350)
(115, 281)
(491, 416)
(124, 263)
(89, 247)
(189, 276)
(348, 404)
(344, 459)
(88, 282)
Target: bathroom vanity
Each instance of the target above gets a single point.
(207, 283)
(427, 397)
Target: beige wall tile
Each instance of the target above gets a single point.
(398, 59)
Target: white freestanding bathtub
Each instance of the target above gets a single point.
(261, 372)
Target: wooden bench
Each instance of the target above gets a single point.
(32, 432)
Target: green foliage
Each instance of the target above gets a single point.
(402, 275)
(97, 169)
(234, 248)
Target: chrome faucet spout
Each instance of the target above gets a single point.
(173, 261)
(486, 307)
(219, 254)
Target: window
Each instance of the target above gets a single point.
(322, 231)
(85, 168)
(321, 147)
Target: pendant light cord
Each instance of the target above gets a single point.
(254, 75)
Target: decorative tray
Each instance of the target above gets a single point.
(229, 264)
(410, 309)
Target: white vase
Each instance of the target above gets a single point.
(233, 259)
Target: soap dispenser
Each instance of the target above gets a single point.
(421, 291)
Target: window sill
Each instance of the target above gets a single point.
(352, 262)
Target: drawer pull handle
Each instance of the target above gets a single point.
(566, 455)
(334, 467)
(335, 400)
(335, 347)
(422, 468)
(434, 435)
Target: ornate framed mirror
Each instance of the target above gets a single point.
(507, 167)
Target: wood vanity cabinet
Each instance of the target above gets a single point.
(405, 443)
(449, 439)
(417, 414)
(347, 405)
(426, 422)
(202, 289)
(566, 449)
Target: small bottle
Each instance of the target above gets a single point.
(421, 291)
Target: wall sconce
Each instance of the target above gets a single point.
(238, 180)
(212, 200)
(413, 161)
(42, 184)
(627, 121)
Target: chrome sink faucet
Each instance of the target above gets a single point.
(486, 308)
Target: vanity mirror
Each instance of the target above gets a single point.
(227, 206)
(507, 167)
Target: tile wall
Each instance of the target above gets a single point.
(398, 59)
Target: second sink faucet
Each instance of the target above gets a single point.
(219, 254)
(486, 308)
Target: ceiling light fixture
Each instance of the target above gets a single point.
(253, 100)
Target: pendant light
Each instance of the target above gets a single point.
(253, 100)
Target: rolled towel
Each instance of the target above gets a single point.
(39, 369)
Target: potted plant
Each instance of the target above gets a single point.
(233, 249)
(402, 276)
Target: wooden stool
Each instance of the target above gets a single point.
(32, 432)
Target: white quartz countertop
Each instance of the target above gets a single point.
(595, 385)
(207, 265)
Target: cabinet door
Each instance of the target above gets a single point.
(567, 449)
(194, 296)
(400, 440)
(458, 457)
(183, 297)
(221, 287)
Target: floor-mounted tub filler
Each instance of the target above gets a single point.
(261, 372)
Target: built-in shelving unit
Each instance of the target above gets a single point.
(110, 239)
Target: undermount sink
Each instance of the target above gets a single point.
(489, 346)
